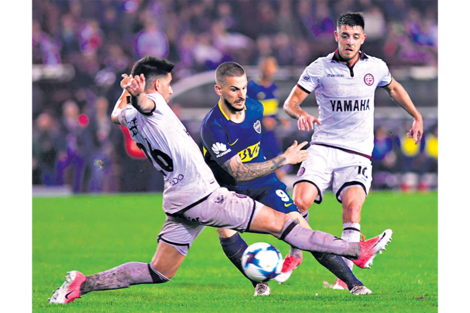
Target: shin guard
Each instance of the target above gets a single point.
(317, 241)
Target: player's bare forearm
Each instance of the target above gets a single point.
(120, 105)
(401, 97)
(250, 171)
(293, 102)
(292, 108)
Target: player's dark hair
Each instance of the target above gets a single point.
(228, 69)
(152, 68)
(350, 19)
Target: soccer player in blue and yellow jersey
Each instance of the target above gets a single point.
(231, 134)
(265, 90)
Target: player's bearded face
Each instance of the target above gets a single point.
(234, 93)
(349, 41)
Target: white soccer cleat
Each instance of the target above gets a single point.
(70, 289)
(360, 290)
(262, 289)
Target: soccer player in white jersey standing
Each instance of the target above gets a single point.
(339, 155)
(192, 198)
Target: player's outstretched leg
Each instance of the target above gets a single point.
(163, 267)
(292, 260)
(288, 230)
(361, 253)
(133, 273)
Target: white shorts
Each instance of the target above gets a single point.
(327, 166)
(222, 209)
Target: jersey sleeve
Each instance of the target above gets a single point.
(215, 141)
(251, 89)
(122, 117)
(310, 78)
(386, 77)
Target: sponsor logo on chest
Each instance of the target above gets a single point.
(249, 153)
(350, 105)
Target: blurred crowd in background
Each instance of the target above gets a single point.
(74, 140)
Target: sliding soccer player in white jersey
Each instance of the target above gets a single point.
(192, 198)
(344, 83)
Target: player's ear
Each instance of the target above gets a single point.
(218, 90)
(336, 36)
(363, 38)
(156, 84)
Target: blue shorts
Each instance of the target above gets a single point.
(271, 192)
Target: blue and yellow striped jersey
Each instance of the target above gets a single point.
(222, 139)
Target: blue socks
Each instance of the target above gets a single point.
(233, 248)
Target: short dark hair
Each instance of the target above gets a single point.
(228, 69)
(350, 19)
(152, 68)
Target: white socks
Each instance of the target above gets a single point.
(351, 233)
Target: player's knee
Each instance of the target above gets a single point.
(159, 277)
(276, 223)
(225, 233)
(352, 208)
(302, 204)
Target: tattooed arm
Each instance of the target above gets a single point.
(292, 108)
(249, 171)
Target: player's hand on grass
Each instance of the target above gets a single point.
(294, 154)
(305, 121)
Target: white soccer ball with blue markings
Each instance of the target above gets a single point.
(262, 262)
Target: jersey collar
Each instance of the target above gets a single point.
(220, 108)
(337, 57)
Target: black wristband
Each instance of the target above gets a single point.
(135, 104)
(134, 101)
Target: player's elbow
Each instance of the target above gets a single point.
(114, 117)
(287, 105)
(145, 107)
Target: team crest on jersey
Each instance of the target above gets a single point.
(369, 79)
(257, 126)
(306, 78)
(301, 171)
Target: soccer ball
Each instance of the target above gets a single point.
(262, 262)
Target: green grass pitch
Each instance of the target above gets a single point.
(95, 233)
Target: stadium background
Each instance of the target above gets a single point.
(80, 49)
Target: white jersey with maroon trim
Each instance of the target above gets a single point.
(172, 151)
(345, 98)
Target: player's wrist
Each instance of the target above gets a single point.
(302, 113)
(418, 118)
(283, 160)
